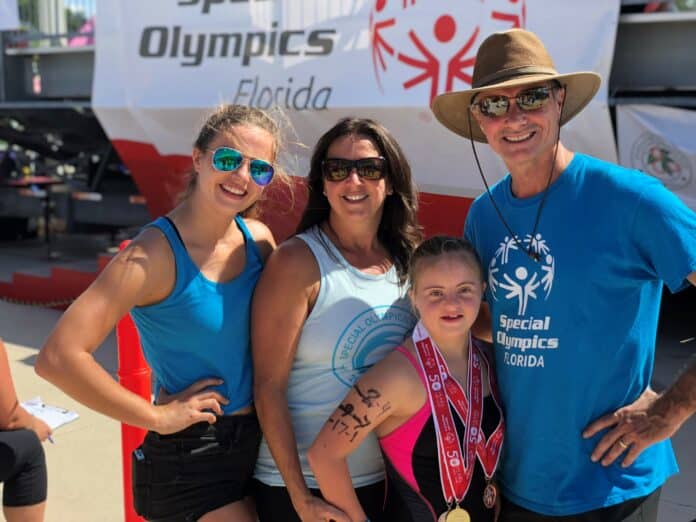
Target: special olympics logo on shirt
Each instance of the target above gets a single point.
(439, 54)
(368, 338)
(512, 276)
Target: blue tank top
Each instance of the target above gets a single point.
(201, 329)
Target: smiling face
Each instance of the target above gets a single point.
(235, 191)
(354, 197)
(520, 137)
(447, 291)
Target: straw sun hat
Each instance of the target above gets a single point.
(508, 59)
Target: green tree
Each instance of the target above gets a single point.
(74, 20)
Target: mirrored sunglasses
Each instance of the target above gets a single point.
(528, 100)
(338, 169)
(227, 159)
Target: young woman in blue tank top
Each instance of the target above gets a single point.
(419, 414)
(187, 280)
(330, 303)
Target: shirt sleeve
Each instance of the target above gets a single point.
(664, 232)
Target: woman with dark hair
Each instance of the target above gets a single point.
(330, 303)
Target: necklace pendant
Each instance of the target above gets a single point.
(458, 515)
(490, 495)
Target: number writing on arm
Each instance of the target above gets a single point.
(348, 423)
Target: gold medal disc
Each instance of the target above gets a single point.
(458, 515)
(490, 495)
(443, 517)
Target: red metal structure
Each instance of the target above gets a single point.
(133, 374)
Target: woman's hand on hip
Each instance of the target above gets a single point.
(197, 403)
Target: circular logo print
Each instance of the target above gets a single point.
(513, 276)
(368, 338)
(665, 162)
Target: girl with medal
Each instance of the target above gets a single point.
(432, 403)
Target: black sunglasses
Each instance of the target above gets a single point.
(338, 169)
(528, 100)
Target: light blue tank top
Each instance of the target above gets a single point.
(202, 328)
(356, 321)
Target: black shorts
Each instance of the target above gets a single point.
(22, 468)
(182, 476)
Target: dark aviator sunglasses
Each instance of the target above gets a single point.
(338, 169)
(498, 105)
(227, 159)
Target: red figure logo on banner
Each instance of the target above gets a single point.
(441, 59)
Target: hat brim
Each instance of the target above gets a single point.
(451, 108)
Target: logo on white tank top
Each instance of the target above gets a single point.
(368, 338)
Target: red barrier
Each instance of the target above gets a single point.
(134, 375)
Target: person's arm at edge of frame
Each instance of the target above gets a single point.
(12, 415)
(281, 304)
(135, 276)
(338, 438)
(651, 419)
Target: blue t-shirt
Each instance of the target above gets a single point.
(575, 332)
(202, 328)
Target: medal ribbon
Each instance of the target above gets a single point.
(487, 451)
(456, 469)
(443, 390)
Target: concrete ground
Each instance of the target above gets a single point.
(85, 482)
(84, 464)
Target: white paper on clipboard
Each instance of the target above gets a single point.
(54, 416)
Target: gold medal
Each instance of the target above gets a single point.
(443, 517)
(458, 515)
(490, 495)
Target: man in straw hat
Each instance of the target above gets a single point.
(577, 250)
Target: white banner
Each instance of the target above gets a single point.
(161, 64)
(9, 15)
(660, 141)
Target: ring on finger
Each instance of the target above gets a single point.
(622, 443)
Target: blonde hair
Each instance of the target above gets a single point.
(223, 119)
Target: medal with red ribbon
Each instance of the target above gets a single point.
(457, 466)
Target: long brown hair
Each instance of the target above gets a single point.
(398, 229)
